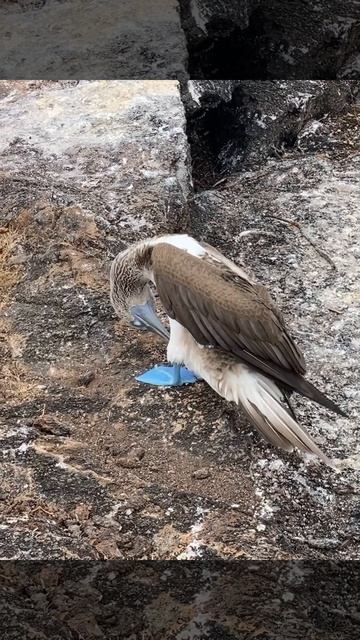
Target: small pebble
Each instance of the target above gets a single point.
(84, 381)
(131, 459)
(137, 452)
(288, 596)
(128, 462)
(201, 474)
(50, 426)
(20, 258)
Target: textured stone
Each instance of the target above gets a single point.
(201, 474)
(69, 203)
(262, 40)
(308, 196)
(86, 168)
(180, 600)
(233, 124)
(161, 39)
(91, 39)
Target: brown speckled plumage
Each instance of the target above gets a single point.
(216, 302)
(219, 307)
(253, 360)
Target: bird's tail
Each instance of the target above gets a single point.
(307, 389)
(291, 380)
(262, 400)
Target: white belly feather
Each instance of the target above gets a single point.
(221, 371)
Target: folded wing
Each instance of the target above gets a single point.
(224, 309)
(221, 307)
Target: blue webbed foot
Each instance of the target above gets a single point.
(168, 376)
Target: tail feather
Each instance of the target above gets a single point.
(262, 423)
(309, 390)
(262, 400)
(288, 403)
(292, 381)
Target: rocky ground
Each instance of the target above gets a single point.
(180, 600)
(255, 39)
(98, 466)
(179, 39)
(89, 39)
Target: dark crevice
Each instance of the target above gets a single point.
(235, 125)
(287, 141)
(261, 40)
(216, 133)
(231, 52)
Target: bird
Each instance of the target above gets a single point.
(225, 329)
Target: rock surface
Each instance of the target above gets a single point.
(233, 124)
(96, 465)
(91, 39)
(299, 206)
(161, 39)
(180, 600)
(262, 40)
(85, 169)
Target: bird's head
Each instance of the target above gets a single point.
(130, 293)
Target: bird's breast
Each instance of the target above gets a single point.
(182, 348)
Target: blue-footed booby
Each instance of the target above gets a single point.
(224, 328)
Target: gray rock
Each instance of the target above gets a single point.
(125, 600)
(88, 39)
(233, 124)
(179, 39)
(201, 474)
(262, 40)
(86, 169)
(317, 188)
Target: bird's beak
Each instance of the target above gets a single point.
(144, 317)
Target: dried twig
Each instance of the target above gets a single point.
(40, 508)
(293, 223)
(254, 232)
(219, 182)
(338, 311)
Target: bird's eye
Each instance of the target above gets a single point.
(135, 322)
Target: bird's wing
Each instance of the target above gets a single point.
(217, 258)
(221, 307)
(228, 267)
